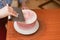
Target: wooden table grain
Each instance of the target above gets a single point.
(49, 20)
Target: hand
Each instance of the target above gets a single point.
(6, 11)
(12, 12)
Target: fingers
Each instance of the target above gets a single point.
(12, 12)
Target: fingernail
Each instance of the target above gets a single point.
(7, 4)
(17, 15)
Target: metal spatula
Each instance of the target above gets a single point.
(20, 15)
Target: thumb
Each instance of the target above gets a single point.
(7, 5)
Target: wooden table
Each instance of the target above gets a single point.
(49, 27)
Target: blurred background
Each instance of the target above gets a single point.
(39, 4)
